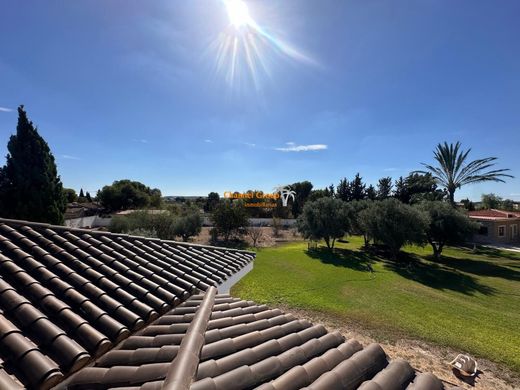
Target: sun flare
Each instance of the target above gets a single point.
(238, 13)
(247, 51)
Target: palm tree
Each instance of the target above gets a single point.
(454, 170)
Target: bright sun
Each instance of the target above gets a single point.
(238, 13)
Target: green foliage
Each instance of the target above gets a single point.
(188, 223)
(468, 204)
(384, 188)
(162, 224)
(357, 188)
(70, 195)
(30, 188)
(446, 225)
(358, 224)
(454, 170)
(303, 190)
(371, 193)
(394, 224)
(416, 188)
(211, 202)
(229, 218)
(491, 201)
(343, 191)
(325, 218)
(127, 194)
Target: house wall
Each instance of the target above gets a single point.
(493, 236)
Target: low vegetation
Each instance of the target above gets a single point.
(166, 224)
(466, 299)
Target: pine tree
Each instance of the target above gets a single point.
(401, 190)
(371, 192)
(30, 188)
(384, 188)
(89, 198)
(81, 194)
(357, 188)
(343, 190)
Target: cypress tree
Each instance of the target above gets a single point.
(30, 188)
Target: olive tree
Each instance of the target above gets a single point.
(188, 224)
(394, 224)
(446, 225)
(229, 218)
(325, 218)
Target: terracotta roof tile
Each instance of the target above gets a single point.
(68, 295)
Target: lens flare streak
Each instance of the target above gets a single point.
(245, 51)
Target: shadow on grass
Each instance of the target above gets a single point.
(341, 257)
(436, 276)
(496, 253)
(478, 267)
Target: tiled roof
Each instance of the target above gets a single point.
(493, 214)
(243, 346)
(69, 295)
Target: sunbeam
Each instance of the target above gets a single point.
(245, 51)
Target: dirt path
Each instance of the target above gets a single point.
(421, 355)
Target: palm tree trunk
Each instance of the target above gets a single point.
(451, 192)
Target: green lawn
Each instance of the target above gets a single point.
(468, 301)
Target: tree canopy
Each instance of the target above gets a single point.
(326, 218)
(454, 169)
(394, 224)
(30, 187)
(446, 225)
(127, 194)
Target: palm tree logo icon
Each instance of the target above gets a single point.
(285, 194)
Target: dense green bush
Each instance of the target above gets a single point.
(126, 194)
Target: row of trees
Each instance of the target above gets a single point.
(389, 222)
(30, 187)
(71, 196)
(169, 224)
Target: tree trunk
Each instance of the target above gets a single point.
(327, 241)
(451, 192)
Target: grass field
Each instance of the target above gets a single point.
(467, 301)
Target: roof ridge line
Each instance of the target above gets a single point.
(21, 222)
(183, 368)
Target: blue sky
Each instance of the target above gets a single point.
(133, 89)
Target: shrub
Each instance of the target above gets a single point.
(255, 233)
(229, 218)
(395, 224)
(325, 218)
(162, 224)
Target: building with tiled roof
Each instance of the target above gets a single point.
(497, 226)
(95, 310)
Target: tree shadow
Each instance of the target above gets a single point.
(495, 253)
(341, 257)
(478, 267)
(436, 276)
